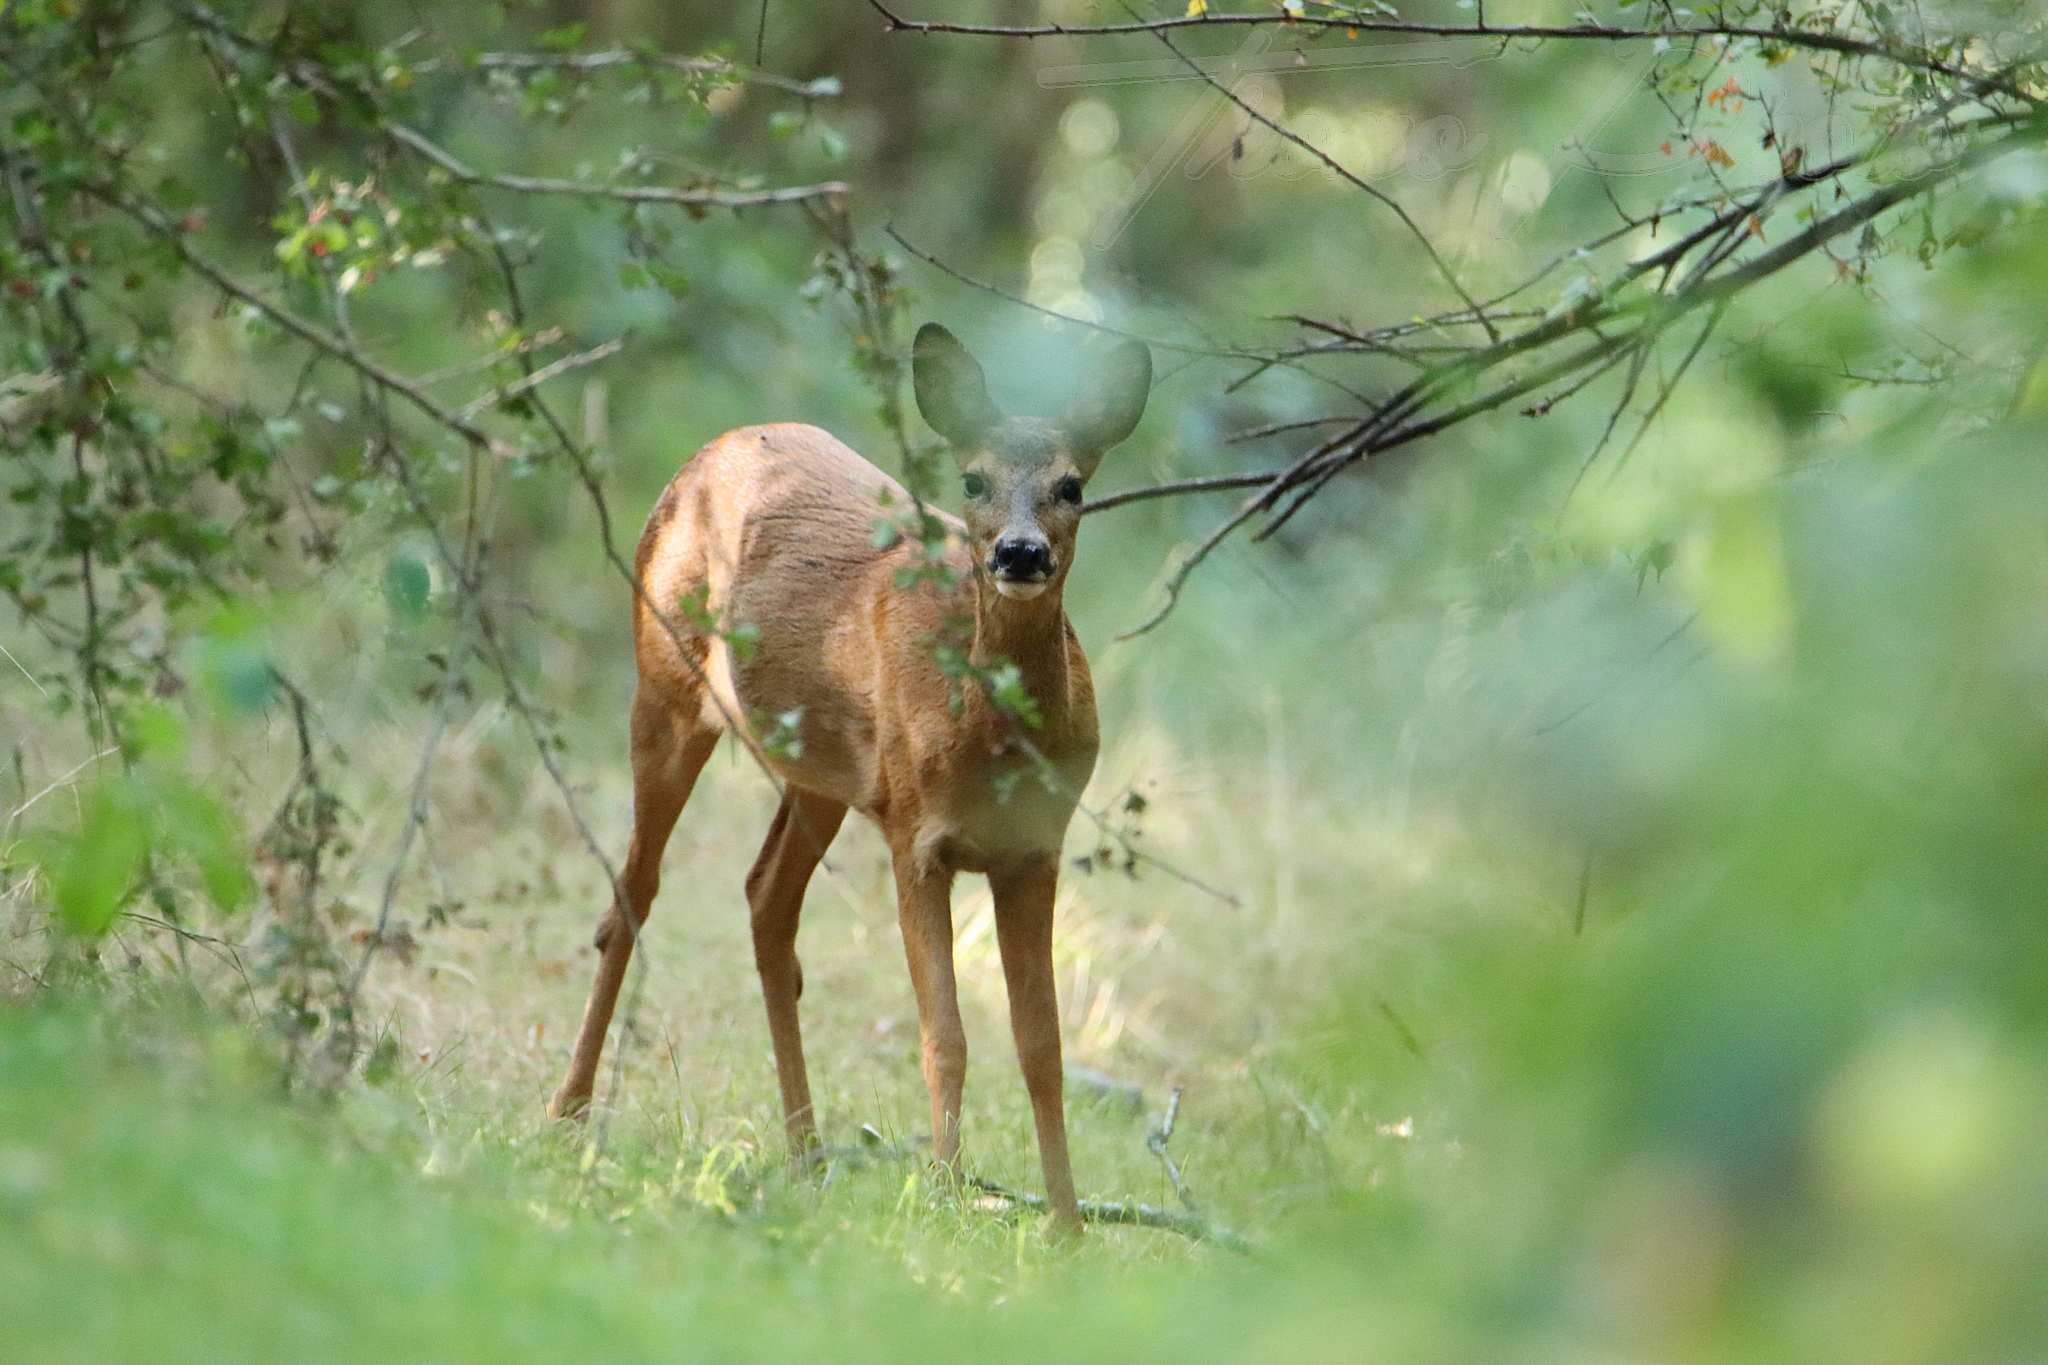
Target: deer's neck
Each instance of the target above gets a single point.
(1030, 634)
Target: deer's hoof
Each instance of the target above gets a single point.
(570, 1108)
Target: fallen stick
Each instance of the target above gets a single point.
(1156, 1141)
(1124, 1213)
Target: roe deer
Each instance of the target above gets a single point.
(772, 529)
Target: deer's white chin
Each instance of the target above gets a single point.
(1021, 590)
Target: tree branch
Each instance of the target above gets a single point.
(161, 227)
(818, 88)
(1402, 420)
(535, 377)
(317, 81)
(1373, 191)
(1817, 40)
(586, 189)
(1211, 483)
(1125, 1213)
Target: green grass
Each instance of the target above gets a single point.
(160, 1206)
(1581, 999)
(162, 1200)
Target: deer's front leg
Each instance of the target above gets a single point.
(924, 904)
(1024, 899)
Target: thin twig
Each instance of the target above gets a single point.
(1400, 421)
(588, 189)
(319, 82)
(415, 819)
(33, 682)
(1820, 40)
(584, 63)
(1114, 1212)
(160, 226)
(534, 379)
(1207, 483)
(65, 780)
(1336, 167)
(1155, 1143)
(890, 231)
(1124, 1213)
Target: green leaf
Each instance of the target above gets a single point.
(1735, 570)
(671, 279)
(563, 39)
(407, 584)
(156, 732)
(93, 879)
(207, 837)
(236, 669)
(1006, 688)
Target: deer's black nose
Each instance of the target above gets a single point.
(1017, 557)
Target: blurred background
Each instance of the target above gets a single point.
(1587, 907)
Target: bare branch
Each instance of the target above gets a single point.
(1155, 1142)
(1250, 507)
(415, 819)
(1669, 386)
(317, 81)
(1261, 359)
(534, 378)
(1282, 428)
(1208, 484)
(818, 88)
(1125, 1213)
(1157, 343)
(161, 227)
(1823, 40)
(587, 189)
(1371, 190)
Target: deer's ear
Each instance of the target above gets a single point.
(1110, 410)
(951, 392)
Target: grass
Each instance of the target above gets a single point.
(171, 1201)
(161, 1207)
(1580, 998)
(165, 1199)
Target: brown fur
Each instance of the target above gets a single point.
(772, 530)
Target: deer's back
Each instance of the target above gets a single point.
(767, 537)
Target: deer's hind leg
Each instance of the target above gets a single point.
(669, 750)
(804, 825)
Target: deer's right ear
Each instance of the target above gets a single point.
(951, 392)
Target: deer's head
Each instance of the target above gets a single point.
(1023, 476)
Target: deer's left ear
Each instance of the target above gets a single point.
(1110, 410)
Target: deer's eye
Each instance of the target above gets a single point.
(976, 485)
(1068, 489)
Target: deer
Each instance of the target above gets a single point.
(772, 529)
